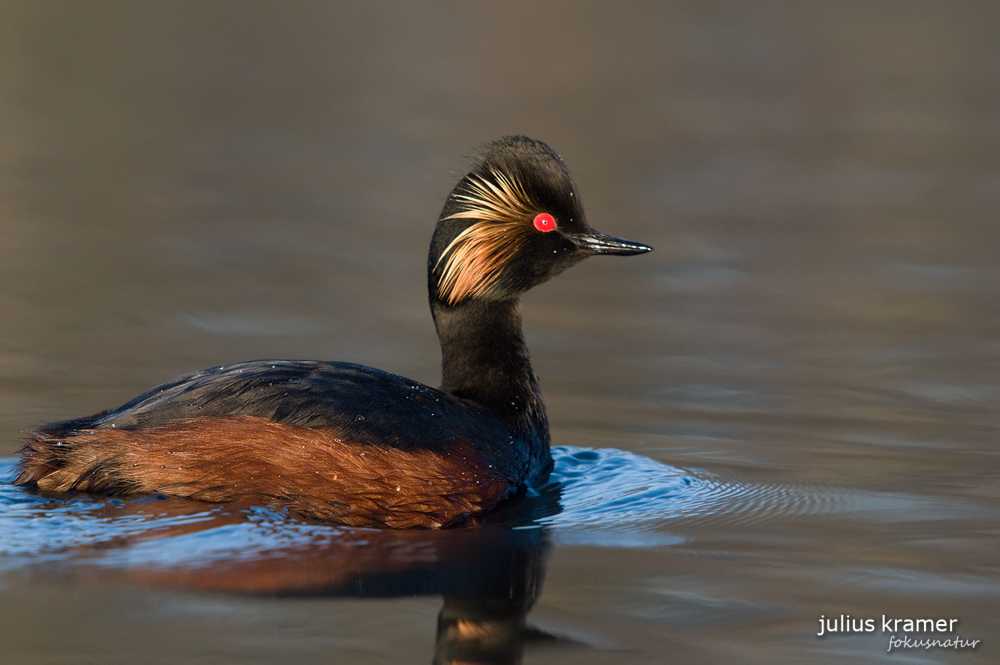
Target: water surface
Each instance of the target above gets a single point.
(787, 411)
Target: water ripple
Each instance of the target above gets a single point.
(602, 497)
(612, 497)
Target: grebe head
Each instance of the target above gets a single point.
(514, 221)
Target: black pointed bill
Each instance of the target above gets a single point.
(596, 242)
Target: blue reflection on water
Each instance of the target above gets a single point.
(598, 497)
(605, 497)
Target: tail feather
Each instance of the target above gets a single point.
(41, 457)
(60, 457)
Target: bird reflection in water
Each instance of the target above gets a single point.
(489, 574)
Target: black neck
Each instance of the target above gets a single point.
(485, 360)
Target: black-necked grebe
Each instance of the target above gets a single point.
(351, 444)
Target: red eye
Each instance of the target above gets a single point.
(545, 222)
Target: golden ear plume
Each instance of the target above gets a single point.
(474, 259)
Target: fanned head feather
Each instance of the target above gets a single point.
(502, 200)
(471, 262)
